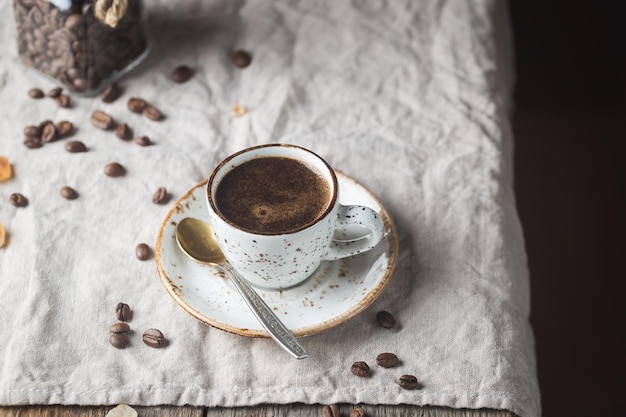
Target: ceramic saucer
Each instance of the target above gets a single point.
(336, 292)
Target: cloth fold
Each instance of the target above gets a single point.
(410, 98)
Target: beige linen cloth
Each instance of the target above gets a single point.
(411, 98)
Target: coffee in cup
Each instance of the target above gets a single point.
(275, 211)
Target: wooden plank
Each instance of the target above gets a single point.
(76, 411)
(265, 410)
(305, 410)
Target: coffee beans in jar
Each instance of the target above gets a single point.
(83, 44)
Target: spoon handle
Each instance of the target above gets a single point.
(279, 332)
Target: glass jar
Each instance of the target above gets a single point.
(83, 44)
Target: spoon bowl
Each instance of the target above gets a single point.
(196, 239)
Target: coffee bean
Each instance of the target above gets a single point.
(49, 133)
(119, 340)
(331, 410)
(33, 131)
(55, 92)
(111, 93)
(75, 146)
(123, 312)
(68, 193)
(18, 200)
(63, 101)
(44, 123)
(181, 74)
(357, 412)
(143, 141)
(102, 120)
(123, 132)
(136, 105)
(153, 338)
(114, 169)
(152, 113)
(360, 369)
(143, 252)
(119, 328)
(385, 319)
(35, 93)
(160, 196)
(32, 142)
(64, 128)
(241, 59)
(408, 382)
(387, 360)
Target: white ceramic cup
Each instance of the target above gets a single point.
(282, 260)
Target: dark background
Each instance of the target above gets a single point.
(570, 157)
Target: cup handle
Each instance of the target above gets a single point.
(356, 215)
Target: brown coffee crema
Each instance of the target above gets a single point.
(272, 195)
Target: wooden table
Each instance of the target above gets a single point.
(270, 410)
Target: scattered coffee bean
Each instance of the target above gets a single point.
(119, 340)
(75, 146)
(102, 120)
(63, 101)
(143, 252)
(114, 169)
(153, 338)
(241, 59)
(55, 92)
(357, 412)
(123, 132)
(123, 312)
(44, 123)
(408, 382)
(387, 360)
(68, 193)
(32, 131)
(143, 141)
(181, 74)
(111, 93)
(360, 369)
(136, 105)
(385, 319)
(32, 142)
(64, 128)
(119, 328)
(35, 93)
(18, 200)
(160, 196)
(331, 410)
(152, 113)
(49, 133)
